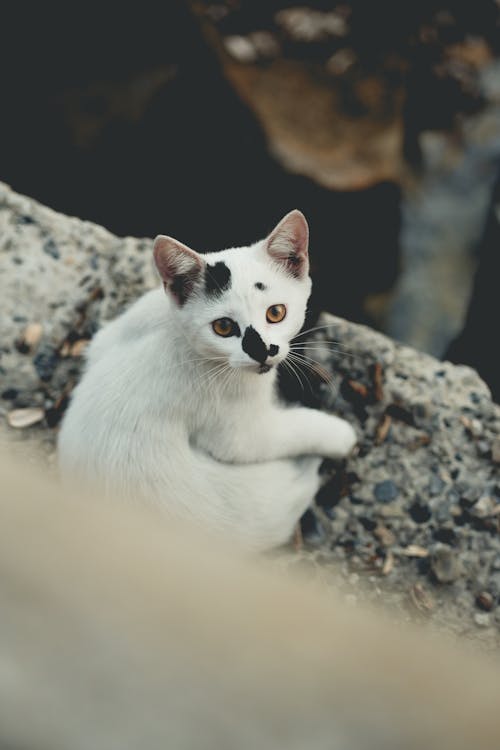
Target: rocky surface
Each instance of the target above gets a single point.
(413, 519)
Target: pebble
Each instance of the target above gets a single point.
(45, 362)
(386, 491)
(445, 564)
(436, 486)
(484, 600)
(50, 248)
(482, 619)
(495, 451)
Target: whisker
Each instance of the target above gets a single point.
(287, 364)
(299, 365)
(311, 330)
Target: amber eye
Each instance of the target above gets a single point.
(223, 327)
(275, 313)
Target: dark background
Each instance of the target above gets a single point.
(126, 116)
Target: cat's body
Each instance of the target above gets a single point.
(178, 400)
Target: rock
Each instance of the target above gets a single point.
(385, 491)
(495, 451)
(445, 564)
(482, 619)
(484, 600)
(432, 496)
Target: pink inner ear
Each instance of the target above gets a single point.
(178, 266)
(288, 243)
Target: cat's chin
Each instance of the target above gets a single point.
(263, 369)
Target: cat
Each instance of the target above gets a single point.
(178, 399)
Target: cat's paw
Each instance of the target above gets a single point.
(345, 439)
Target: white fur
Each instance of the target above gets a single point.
(171, 411)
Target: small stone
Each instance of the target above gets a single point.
(386, 491)
(484, 600)
(384, 535)
(445, 564)
(50, 248)
(482, 619)
(495, 451)
(20, 418)
(10, 394)
(240, 48)
(436, 486)
(484, 507)
(45, 363)
(483, 448)
(419, 511)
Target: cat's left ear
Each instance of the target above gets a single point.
(179, 267)
(288, 244)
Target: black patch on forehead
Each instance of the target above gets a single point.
(260, 285)
(253, 345)
(217, 278)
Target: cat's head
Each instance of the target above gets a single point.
(243, 305)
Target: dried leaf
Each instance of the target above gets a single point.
(378, 390)
(388, 564)
(358, 388)
(383, 429)
(414, 550)
(25, 417)
(422, 600)
(384, 535)
(79, 347)
(32, 334)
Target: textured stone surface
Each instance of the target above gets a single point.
(413, 518)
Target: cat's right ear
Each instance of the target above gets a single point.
(179, 267)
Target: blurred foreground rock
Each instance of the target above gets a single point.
(415, 515)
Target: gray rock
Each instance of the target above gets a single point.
(445, 564)
(71, 276)
(385, 491)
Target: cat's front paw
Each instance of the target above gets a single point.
(345, 439)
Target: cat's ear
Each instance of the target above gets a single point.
(178, 265)
(288, 244)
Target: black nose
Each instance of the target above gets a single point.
(253, 345)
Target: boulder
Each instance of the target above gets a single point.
(414, 514)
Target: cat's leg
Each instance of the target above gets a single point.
(257, 504)
(280, 432)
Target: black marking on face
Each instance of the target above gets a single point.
(260, 285)
(217, 278)
(273, 350)
(253, 345)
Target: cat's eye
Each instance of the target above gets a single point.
(224, 327)
(275, 313)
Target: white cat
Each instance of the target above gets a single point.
(178, 399)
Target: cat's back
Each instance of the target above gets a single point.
(112, 399)
(145, 317)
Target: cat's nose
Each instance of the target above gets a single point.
(253, 345)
